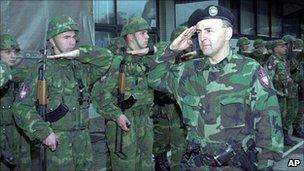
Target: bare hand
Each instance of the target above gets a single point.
(51, 141)
(123, 122)
(183, 41)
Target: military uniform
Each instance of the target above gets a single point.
(241, 42)
(297, 70)
(137, 143)
(169, 130)
(6, 73)
(13, 140)
(68, 83)
(233, 100)
(256, 54)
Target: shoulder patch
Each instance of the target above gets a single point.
(24, 91)
(263, 78)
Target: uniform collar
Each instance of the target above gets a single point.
(220, 65)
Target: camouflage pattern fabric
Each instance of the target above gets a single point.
(62, 76)
(12, 138)
(116, 44)
(8, 41)
(5, 72)
(280, 77)
(60, 24)
(299, 77)
(135, 24)
(243, 41)
(169, 130)
(258, 43)
(231, 100)
(138, 142)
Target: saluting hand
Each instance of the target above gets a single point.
(183, 41)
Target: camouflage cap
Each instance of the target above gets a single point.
(298, 44)
(268, 44)
(135, 24)
(243, 41)
(288, 38)
(8, 42)
(278, 42)
(176, 32)
(60, 24)
(258, 43)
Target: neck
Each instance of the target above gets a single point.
(220, 55)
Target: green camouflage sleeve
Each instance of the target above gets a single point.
(161, 68)
(5, 72)
(25, 112)
(97, 61)
(104, 92)
(268, 122)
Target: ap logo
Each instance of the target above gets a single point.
(294, 162)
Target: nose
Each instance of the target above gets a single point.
(72, 41)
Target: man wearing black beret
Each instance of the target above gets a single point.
(228, 103)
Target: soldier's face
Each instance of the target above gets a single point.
(212, 36)
(9, 56)
(65, 42)
(244, 47)
(142, 38)
(280, 50)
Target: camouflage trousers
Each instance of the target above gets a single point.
(74, 151)
(299, 117)
(169, 133)
(137, 143)
(17, 144)
(292, 106)
(283, 109)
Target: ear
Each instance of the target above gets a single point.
(229, 33)
(52, 42)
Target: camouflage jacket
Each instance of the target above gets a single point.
(64, 78)
(104, 92)
(5, 72)
(260, 58)
(279, 75)
(230, 100)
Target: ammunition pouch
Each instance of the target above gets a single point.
(56, 114)
(7, 158)
(128, 103)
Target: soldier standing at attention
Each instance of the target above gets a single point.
(13, 141)
(259, 51)
(65, 132)
(243, 44)
(134, 109)
(228, 103)
(280, 76)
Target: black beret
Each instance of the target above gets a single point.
(210, 12)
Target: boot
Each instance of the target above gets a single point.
(297, 131)
(161, 162)
(287, 140)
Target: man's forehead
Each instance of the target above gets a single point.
(210, 23)
(68, 33)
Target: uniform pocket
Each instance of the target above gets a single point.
(233, 112)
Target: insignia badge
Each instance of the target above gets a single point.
(263, 78)
(213, 11)
(25, 90)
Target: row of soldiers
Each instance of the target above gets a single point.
(217, 109)
(283, 59)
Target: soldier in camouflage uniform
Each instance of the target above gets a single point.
(225, 98)
(259, 51)
(298, 77)
(292, 68)
(243, 44)
(138, 138)
(65, 133)
(277, 69)
(12, 138)
(169, 131)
